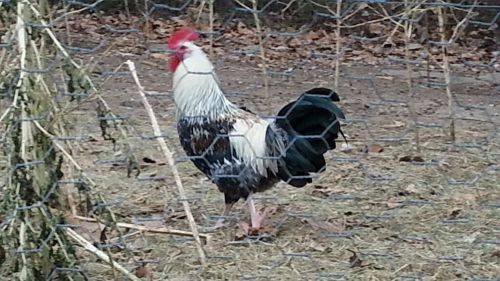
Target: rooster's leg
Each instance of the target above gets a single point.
(255, 217)
(220, 222)
(225, 213)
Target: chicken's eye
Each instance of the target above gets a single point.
(183, 48)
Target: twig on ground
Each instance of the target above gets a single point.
(169, 156)
(148, 229)
(100, 254)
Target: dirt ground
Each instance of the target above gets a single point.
(371, 215)
(380, 211)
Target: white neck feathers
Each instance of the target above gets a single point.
(196, 89)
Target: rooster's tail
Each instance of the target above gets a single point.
(312, 125)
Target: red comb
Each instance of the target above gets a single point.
(182, 35)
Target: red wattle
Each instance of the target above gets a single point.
(174, 62)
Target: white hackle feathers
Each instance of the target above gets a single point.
(196, 87)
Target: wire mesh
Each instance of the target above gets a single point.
(401, 201)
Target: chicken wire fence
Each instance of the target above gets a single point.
(413, 195)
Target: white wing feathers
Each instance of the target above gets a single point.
(248, 141)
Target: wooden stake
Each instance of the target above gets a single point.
(169, 156)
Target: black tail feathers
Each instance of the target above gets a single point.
(312, 124)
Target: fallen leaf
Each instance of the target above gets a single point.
(414, 46)
(241, 231)
(406, 158)
(466, 196)
(375, 148)
(103, 238)
(269, 211)
(179, 21)
(321, 193)
(158, 23)
(354, 260)
(244, 230)
(160, 56)
(242, 29)
(394, 203)
(418, 159)
(2, 255)
(317, 247)
(376, 28)
(295, 43)
(263, 232)
(454, 214)
(312, 36)
(346, 147)
(142, 271)
(411, 189)
(471, 238)
(175, 216)
(410, 158)
(148, 160)
(326, 225)
(496, 254)
(395, 124)
(147, 29)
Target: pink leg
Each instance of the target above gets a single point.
(255, 217)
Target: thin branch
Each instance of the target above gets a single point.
(22, 44)
(71, 159)
(258, 28)
(446, 69)
(200, 11)
(169, 156)
(22, 242)
(288, 5)
(338, 46)
(462, 24)
(408, 28)
(149, 229)
(100, 254)
(61, 148)
(211, 26)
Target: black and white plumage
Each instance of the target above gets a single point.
(239, 151)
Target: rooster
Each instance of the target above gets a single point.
(237, 150)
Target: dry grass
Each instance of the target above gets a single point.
(369, 216)
(402, 220)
